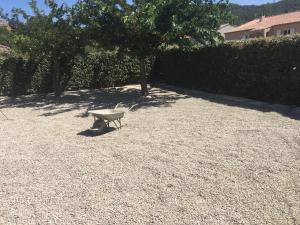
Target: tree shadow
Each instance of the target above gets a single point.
(291, 112)
(161, 96)
(92, 99)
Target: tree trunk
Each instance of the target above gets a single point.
(143, 77)
(56, 78)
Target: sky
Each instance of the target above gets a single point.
(7, 5)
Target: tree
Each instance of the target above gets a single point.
(246, 13)
(145, 27)
(5, 33)
(51, 35)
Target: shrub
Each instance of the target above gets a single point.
(103, 69)
(14, 76)
(19, 75)
(263, 69)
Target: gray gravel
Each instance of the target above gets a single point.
(182, 157)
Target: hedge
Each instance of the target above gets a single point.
(263, 69)
(22, 76)
(103, 70)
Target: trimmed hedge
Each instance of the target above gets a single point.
(103, 70)
(263, 69)
(14, 77)
(98, 70)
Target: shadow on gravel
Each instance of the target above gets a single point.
(284, 110)
(110, 97)
(89, 133)
(91, 99)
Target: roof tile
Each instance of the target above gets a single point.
(267, 22)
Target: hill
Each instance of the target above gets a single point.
(246, 13)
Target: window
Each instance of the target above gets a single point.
(278, 32)
(292, 30)
(246, 36)
(288, 31)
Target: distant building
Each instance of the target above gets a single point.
(225, 28)
(284, 24)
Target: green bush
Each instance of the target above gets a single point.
(5, 78)
(14, 76)
(20, 76)
(263, 69)
(98, 70)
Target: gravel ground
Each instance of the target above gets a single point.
(183, 157)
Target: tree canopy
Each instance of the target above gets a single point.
(144, 27)
(50, 35)
(140, 29)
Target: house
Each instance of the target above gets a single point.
(225, 28)
(284, 24)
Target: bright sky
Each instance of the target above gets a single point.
(7, 5)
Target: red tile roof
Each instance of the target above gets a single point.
(267, 22)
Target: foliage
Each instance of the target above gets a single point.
(144, 27)
(16, 74)
(261, 69)
(50, 36)
(95, 70)
(104, 69)
(246, 13)
(5, 36)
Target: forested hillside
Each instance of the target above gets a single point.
(246, 13)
